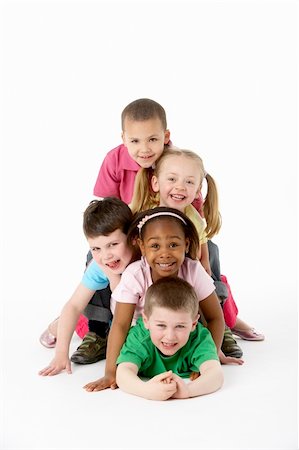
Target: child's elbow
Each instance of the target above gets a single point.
(118, 376)
(219, 378)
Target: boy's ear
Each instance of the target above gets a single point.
(195, 322)
(145, 321)
(155, 184)
(166, 136)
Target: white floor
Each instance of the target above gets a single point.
(255, 409)
(226, 74)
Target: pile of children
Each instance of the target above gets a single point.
(152, 300)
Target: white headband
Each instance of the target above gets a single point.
(162, 213)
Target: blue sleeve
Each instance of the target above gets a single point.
(94, 278)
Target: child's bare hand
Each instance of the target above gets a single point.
(161, 387)
(56, 366)
(229, 359)
(194, 375)
(181, 387)
(105, 382)
(168, 377)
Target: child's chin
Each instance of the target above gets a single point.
(145, 166)
(168, 351)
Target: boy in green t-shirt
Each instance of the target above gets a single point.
(168, 344)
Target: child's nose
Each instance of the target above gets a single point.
(145, 147)
(179, 185)
(107, 254)
(164, 251)
(170, 334)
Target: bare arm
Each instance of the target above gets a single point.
(121, 323)
(210, 380)
(160, 387)
(66, 326)
(213, 315)
(204, 258)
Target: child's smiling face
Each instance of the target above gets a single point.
(178, 182)
(111, 251)
(145, 140)
(169, 329)
(164, 246)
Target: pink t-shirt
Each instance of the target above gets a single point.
(117, 176)
(136, 279)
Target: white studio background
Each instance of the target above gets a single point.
(226, 74)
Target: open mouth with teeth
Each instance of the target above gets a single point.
(114, 265)
(177, 197)
(167, 347)
(166, 267)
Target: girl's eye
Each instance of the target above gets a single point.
(171, 179)
(190, 182)
(134, 141)
(173, 245)
(154, 246)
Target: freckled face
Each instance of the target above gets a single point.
(164, 246)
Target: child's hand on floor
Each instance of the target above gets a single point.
(57, 364)
(105, 382)
(229, 359)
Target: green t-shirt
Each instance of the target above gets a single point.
(139, 349)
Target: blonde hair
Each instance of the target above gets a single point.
(145, 198)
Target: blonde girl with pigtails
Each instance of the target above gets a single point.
(176, 182)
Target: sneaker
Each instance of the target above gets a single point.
(229, 345)
(91, 350)
(47, 338)
(248, 335)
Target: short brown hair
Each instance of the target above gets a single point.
(173, 293)
(143, 109)
(103, 217)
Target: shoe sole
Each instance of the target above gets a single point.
(233, 355)
(48, 346)
(76, 361)
(248, 338)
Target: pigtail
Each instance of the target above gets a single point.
(143, 196)
(211, 208)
